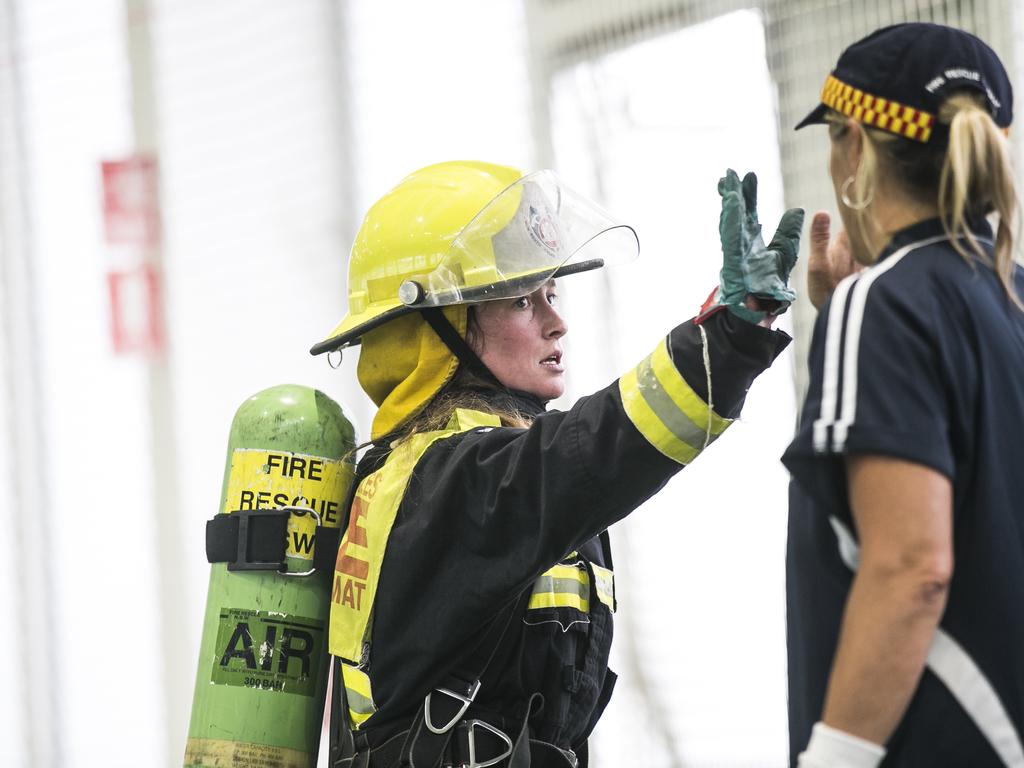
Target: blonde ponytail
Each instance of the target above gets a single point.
(976, 179)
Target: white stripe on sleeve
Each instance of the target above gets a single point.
(830, 382)
(845, 365)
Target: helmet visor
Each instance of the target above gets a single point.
(534, 230)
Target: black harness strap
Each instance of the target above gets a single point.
(435, 721)
(606, 549)
(524, 749)
(457, 345)
(325, 547)
(248, 539)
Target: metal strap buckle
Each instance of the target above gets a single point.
(471, 726)
(245, 531)
(302, 512)
(465, 699)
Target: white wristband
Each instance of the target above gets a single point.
(832, 748)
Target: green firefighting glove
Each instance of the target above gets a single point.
(749, 268)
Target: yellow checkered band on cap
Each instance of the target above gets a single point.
(881, 113)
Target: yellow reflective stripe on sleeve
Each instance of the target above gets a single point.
(665, 410)
(558, 600)
(695, 409)
(604, 581)
(563, 586)
(358, 693)
(565, 571)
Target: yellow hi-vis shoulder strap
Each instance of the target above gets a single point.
(361, 553)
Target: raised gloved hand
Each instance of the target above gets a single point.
(754, 279)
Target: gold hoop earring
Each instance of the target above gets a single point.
(845, 196)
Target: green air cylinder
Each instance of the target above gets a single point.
(262, 678)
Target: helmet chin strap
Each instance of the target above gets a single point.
(458, 345)
(435, 317)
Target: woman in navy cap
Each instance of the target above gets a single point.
(905, 563)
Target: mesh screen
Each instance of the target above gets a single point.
(803, 40)
(726, 708)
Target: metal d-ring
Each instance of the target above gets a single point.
(466, 701)
(471, 737)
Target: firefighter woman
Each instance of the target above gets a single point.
(473, 594)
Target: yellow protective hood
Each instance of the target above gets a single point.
(403, 364)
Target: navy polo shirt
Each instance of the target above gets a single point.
(920, 357)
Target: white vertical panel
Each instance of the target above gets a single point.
(257, 215)
(26, 701)
(101, 554)
(257, 231)
(445, 80)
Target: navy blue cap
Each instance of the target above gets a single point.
(897, 78)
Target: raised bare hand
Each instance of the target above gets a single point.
(830, 260)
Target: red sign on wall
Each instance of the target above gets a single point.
(131, 210)
(135, 311)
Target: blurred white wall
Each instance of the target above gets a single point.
(256, 221)
(67, 71)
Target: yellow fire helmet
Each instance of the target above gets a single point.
(446, 236)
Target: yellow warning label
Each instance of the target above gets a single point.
(221, 753)
(262, 479)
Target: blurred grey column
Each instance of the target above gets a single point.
(168, 550)
(804, 39)
(339, 32)
(33, 631)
